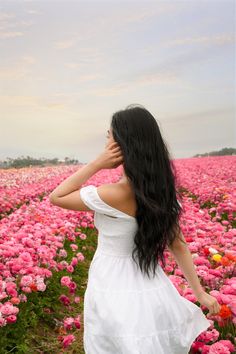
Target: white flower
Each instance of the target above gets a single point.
(212, 250)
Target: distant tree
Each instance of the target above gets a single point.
(29, 161)
(222, 152)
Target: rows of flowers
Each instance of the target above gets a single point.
(19, 186)
(32, 240)
(211, 180)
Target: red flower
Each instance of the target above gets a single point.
(33, 287)
(225, 312)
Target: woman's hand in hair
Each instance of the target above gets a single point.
(111, 157)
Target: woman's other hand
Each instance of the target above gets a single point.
(210, 302)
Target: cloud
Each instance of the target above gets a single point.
(143, 14)
(10, 34)
(137, 81)
(6, 16)
(32, 101)
(20, 69)
(204, 114)
(209, 40)
(115, 19)
(33, 12)
(29, 59)
(73, 65)
(89, 77)
(173, 64)
(19, 100)
(65, 44)
(10, 27)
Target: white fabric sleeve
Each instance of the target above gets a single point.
(88, 196)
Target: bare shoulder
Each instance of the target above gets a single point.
(119, 196)
(113, 192)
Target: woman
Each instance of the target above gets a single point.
(127, 309)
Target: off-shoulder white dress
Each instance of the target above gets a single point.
(125, 312)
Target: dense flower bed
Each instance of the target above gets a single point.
(32, 241)
(19, 186)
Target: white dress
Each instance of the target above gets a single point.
(125, 312)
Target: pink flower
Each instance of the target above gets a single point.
(26, 257)
(70, 269)
(8, 309)
(77, 322)
(26, 280)
(23, 298)
(65, 281)
(15, 300)
(80, 256)
(74, 261)
(218, 348)
(11, 319)
(74, 247)
(41, 286)
(83, 236)
(77, 299)
(3, 322)
(68, 340)
(227, 343)
(68, 323)
(27, 289)
(73, 285)
(60, 266)
(209, 335)
(62, 253)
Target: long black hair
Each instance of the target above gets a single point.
(151, 172)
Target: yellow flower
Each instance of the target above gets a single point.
(217, 257)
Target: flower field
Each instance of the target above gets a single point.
(45, 252)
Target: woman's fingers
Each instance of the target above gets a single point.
(215, 309)
(116, 149)
(113, 145)
(117, 154)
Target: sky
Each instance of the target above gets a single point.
(67, 66)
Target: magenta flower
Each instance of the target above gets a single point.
(68, 340)
(64, 299)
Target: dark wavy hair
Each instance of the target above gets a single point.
(152, 175)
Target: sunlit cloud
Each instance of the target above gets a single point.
(11, 27)
(84, 78)
(11, 34)
(28, 59)
(146, 13)
(5, 16)
(217, 40)
(201, 114)
(33, 12)
(65, 44)
(73, 65)
(142, 80)
(31, 101)
(19, 100)
(20, 69)
(10, 73)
